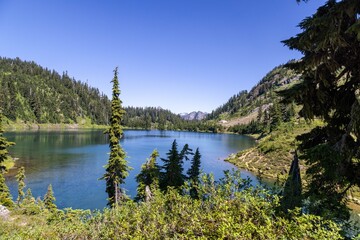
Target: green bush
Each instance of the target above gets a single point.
(223, 211)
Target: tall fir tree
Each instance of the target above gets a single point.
(330, 43)
(117, 168)
(148, 178)
(49, 199)
(5, 196)
(275, 115)
(20, 177)
(194, 173)
(4, 144)
(173, 176)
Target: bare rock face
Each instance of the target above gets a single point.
(4, 212)
(194, 115)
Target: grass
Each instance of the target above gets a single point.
(273, 155)
(83, 123)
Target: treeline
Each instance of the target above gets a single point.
(34, 94)
(162, 119)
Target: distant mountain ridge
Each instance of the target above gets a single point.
(194, 116)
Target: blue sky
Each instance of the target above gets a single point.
(182, 55)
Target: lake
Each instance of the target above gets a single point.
(72, 161)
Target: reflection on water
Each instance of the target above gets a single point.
(72, 161)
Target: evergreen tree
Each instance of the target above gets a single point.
(147, 121)
(49, 199)
(173, 167)
(148, 178)
(289, 112)
(330, 43)
(29, 198)
(5, 196)
(116, 168)
(194, 173)
(4, 144)
(20, 177)
(292, 189)
(275, 115)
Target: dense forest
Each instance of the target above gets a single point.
(158, 118)
(34, 94)
(30, 93)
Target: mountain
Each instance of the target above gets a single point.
(244, 107)
(30, 93)
(194, 116)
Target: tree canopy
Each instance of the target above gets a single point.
(34, 94)
(330, 90)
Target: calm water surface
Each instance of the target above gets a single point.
(72, 161)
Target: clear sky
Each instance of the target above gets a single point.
(182, 55)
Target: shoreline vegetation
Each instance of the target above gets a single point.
(271, 157)
(18, 126)
(269, 164)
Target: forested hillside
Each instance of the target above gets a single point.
(260, 96)
(30, 93)
(33, 94)
(162, 119)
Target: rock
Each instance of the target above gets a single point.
(4, 212)
(194, 115)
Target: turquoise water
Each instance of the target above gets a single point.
(72, 161)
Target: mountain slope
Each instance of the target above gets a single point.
(242, 108)
(31, 93)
